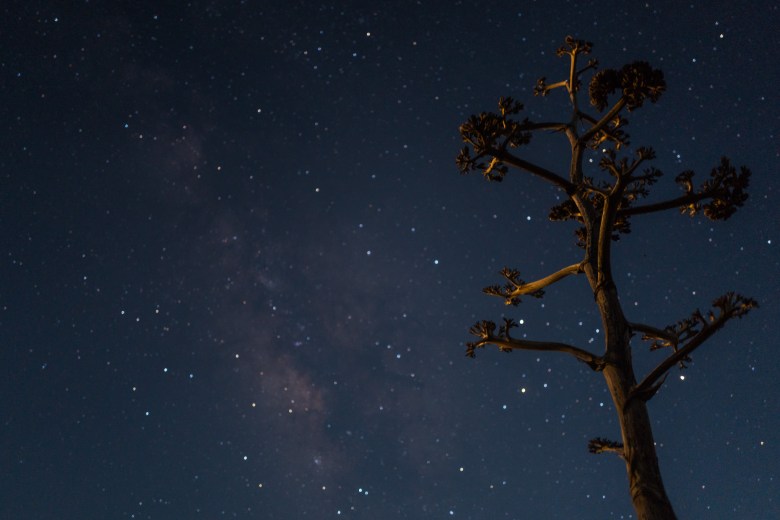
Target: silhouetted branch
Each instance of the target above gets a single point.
(489, 136)
(682, 203)
(485, 330)
(537, 170)
(687, 335)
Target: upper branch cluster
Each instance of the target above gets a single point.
(636, 81)
(490, 133)
(633, 187)
(572, 48)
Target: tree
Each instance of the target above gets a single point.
(603, 205)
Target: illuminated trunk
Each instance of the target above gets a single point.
(644, 475)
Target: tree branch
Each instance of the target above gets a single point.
(691, 333)
(601, 445)
(546, 125)
(650, 332)
(725, 189)
(680, 202)
(485, 330)
(604, 121)
(517, 287)
(544, 173)
(542, 88)
(611, 204)
(615, 133)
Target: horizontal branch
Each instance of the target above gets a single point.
(586, 357)
(485, 331)
(725, 191)
(679, 202)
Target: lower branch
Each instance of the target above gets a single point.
(688, 335)
(485, 330)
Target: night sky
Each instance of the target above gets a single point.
(239, 263)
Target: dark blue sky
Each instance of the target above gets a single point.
(239, 264)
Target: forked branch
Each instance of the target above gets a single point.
(489, 136)
(686, 336)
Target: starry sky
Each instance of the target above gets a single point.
(240, 265)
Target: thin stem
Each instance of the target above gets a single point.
(611, 204)
(572, 85)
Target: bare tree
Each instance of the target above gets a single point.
(604, 204)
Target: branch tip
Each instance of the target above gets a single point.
(601, 445)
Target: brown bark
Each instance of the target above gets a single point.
(644, 475)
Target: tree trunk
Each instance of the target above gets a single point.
(644, 475)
